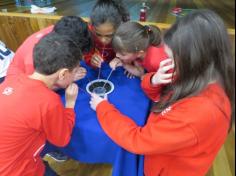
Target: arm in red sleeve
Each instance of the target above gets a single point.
(58, 124)
(88, 57)
(159, 135)
(153, 92)
(17, 65)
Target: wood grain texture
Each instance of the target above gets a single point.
(16, 27)
(159, 10)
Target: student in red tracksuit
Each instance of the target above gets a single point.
(31, 112)
(188, 125)
(106, 16)
(73, 27)
(138, 48)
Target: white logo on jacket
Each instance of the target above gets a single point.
(166, 110)
(40, 35)
(7, 91)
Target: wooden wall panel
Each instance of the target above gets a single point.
(159, 10)
(14, 29)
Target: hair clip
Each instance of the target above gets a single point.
(148, 29)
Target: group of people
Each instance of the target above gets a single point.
(188, 73)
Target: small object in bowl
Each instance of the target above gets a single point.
(100, 87)
(99, 91)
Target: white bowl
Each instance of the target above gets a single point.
(97, 81)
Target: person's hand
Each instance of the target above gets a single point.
(129, 75)
(80, 73)
(95, 100)
(162, 76)
(132, 70)
(96, 60)
(116, 62)
(71, 95)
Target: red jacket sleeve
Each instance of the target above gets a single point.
(159, 135)
(17, 65)
(58, 124)
(153, 92)
(88, 57)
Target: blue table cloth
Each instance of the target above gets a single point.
(89, 143)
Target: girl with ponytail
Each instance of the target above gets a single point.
(138, 48)
(105, 18)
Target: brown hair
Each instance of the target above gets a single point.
(132, 37)
(202, 53)
(112, 11)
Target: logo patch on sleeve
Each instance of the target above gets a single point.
(166, 110)
(7, 91)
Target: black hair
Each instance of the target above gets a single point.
(132, 37)
(202, 53)
(112, 11)
(76, 29)
(54, 52)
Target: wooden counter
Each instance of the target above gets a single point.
(159, 12)
(17, 23)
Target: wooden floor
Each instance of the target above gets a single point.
(160, 10)
(224, 164)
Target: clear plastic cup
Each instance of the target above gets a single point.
(100, 91)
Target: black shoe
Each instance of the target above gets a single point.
(57, 156)
(48, 170)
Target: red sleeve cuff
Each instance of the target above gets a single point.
(153, 92)
(146, 82)
(70, 113)
(104, 105)
(103, 108)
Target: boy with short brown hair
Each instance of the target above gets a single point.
(31, 112)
